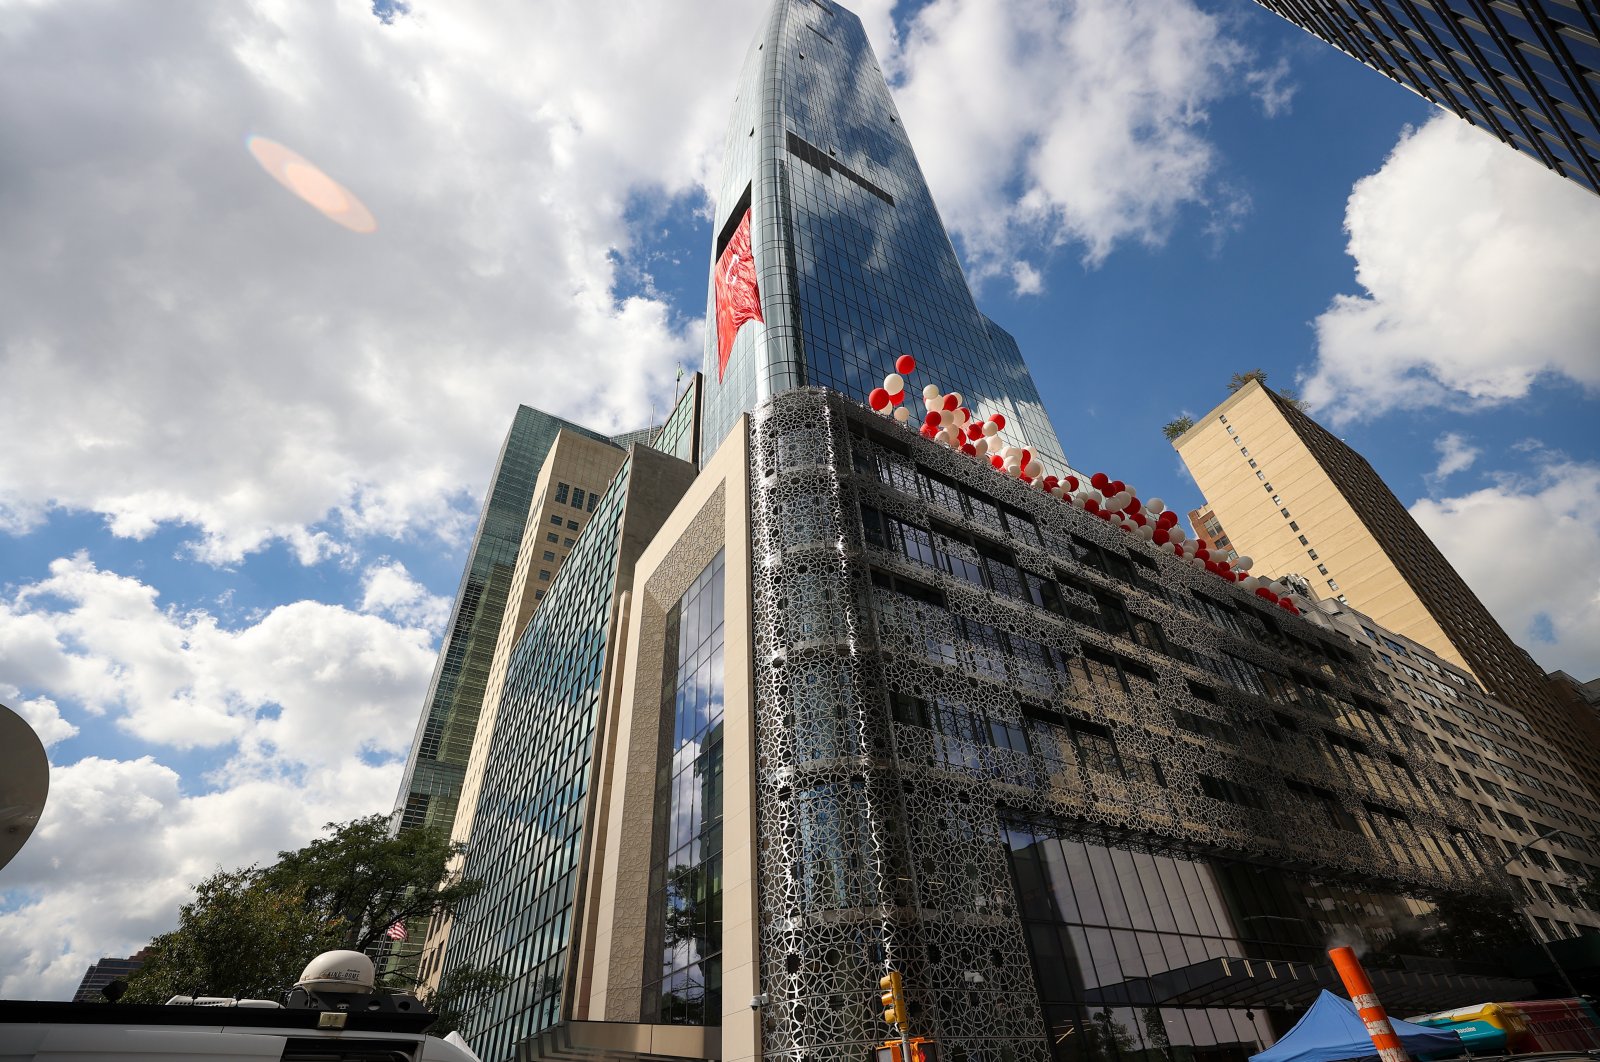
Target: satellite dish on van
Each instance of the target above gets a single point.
(24, 782)
(338, 971)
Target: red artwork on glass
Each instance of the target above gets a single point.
(738, 299)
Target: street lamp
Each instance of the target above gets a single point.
(1516, 856)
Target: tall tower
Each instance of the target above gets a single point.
(852, 264)
(1298, 500)
(1527, 72)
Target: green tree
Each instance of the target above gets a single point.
(235, 938)
(1176, 427)
(250, 932)
(366, 880)
(459, 991)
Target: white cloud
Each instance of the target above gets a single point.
(1064, 121)
(1480, 273)
(306, 683)
(41, 713)
(1530, 550)
(1456, 454)
(1025, 279)
(1272, 88)
(122, 841)
(389, 590)
(308, 708)
(201, 347)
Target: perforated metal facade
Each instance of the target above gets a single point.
(964, 690)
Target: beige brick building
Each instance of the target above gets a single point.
(1299, 501)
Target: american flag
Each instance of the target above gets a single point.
(396, 932)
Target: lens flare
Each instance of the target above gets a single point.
(330, 198)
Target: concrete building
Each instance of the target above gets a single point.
(1527, 73)
(1518, 784)
(102, 973)
(1298, 500)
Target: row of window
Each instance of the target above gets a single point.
(576, 497)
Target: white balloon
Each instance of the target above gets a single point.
(1156, 506)
(930, 392)
(1176, 533)
(1034, 469)
(947, 417)
(894, 383)
(1147, 532)
(957, 396)
(990, 428)
(902, 414)
(1243, 563)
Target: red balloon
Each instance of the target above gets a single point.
(1117, 486)
(905, 365)
(1132, 506)
(998, 420)
(932, 420)
(950, 402)
(878, 399)
(1139, 519)
(1025, 479)
(1072, 482)
(997, 461)
(1177, 549)
(964, 409)
(969, 449)
(898, 397)
(1161, 537)
(928, 431)
(1100, 481)
(1091, 506)
(1051, 482)
(1201, 551)
(1167, 519)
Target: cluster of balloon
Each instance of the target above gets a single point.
(952, 424)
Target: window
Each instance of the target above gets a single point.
(1224, 418)
(552, 537)
(572, 525)
(1311, 553)
(567, 542)
(544, 575)
(561, 492)
(1322, 569)
(577, 498)
(549, 556)
(1332, 585)
(1294, 525)
(593, 497)
(556, 520)
(538, 595)
(1232, 792)
(1259, 474)
(1252, 462)
(1275, 499)
(1285, 513)
(1304, 541)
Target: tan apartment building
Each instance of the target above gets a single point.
(1299, 501)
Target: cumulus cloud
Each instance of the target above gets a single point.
(306, 683)
(201, 347)
(41, 713)
(1456, 454)
(307, 709)
(389, 590)
(1529, 548)
(1063, 122)
(1480, 273)
(121, 842)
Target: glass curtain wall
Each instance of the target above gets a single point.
(683, 984)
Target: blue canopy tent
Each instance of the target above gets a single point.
(1331, 1030)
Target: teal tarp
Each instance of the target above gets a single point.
(1331, 1030)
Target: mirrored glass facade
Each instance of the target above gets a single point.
(685, 930)
(853, 262)
(438, 760)
(1526, 71)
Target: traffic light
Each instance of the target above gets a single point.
(893, 998)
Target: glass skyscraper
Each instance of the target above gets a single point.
(438, 759)
(1525, 71)
(853, 263)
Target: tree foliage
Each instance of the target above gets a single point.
(251, 931)
(1239, 379)
(459, 991)
(1176, 427)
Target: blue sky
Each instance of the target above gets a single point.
(252, 443)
